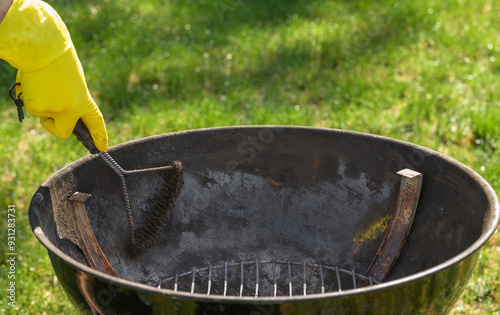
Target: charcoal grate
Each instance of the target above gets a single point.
(265, 278)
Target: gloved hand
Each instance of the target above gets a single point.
(34, 39)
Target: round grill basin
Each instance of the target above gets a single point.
(265, 197)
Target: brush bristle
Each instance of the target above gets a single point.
(147, 234)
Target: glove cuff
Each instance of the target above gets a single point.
(32, 35)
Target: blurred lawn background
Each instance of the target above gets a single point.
(426, 72)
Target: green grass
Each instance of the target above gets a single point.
(426, 72)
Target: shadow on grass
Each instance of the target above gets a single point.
(7, 78)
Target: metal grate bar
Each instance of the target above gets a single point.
(269, 276)
(305, 280)
(225, 278)
(275, 285)
(176, 281)
(338, 278)
(209, 279)
(322, 278)
(193, 281)
(241, 284)
(256, 277)
(353, 278)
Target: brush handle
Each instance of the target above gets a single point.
(83, 135)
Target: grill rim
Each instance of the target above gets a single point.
(488, 231)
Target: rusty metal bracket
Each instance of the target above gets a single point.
(88, 243)
(399, 228)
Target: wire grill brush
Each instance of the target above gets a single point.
(148, 233)
(158, 216)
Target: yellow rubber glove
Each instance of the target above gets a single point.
(34, 39)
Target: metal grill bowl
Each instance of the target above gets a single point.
(265, 201)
